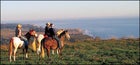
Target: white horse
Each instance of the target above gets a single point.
(15, 42)
(39, 38)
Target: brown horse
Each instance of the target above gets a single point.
(51, 44)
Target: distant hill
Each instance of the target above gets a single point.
(8, 31)
(25, 27)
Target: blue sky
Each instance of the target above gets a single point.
(42, 10)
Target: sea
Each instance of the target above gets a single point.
(104, 28)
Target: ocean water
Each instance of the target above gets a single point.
(103, 28)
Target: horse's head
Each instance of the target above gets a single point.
(67, 34)
(64, 33)
(33, 32)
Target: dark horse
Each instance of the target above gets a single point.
(31, 38)
(51, 44)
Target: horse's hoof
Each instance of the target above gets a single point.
(61, 57)
(49, 59)
(60, 54)
(26, 57)
(32, 50)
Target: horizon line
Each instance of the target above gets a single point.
(76, 18)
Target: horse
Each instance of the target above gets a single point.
(39, 38)
(51, 44)
(16, 42)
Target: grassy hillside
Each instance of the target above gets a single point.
(85, 52)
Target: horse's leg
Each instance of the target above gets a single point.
(48, 52)
(15, 50)
(42, 51)
(53, 52)
(10, 49)
(60, 51)
(10, 53)
(23, 53)
(57, 50)
(10, 57)
(38, 50)
(26, 54)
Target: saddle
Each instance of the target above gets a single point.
(45, 36)
(53, 39)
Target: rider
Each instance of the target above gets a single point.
(47, 32)
(53, 35)
(18, 31)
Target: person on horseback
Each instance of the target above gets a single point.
(53, 35)
(18, 31)
(47, 32)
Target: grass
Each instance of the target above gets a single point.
(85, 52)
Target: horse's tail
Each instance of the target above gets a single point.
(34, 44)
(42, 50)
(11, 46)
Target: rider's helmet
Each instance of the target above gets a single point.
(51, 24)
(48, 24)
(19, 25)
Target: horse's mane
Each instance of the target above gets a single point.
(61, 34)
(28, 34)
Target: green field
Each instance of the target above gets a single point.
(85, 52)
